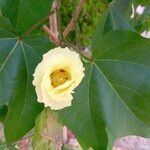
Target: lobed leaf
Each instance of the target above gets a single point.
(110, 20)
(113, 100)
(19, 57)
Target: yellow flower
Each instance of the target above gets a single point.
(55, 78)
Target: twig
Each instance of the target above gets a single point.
(54, 38)
(53, 23)
(58, 15)
(73, 21)
(63, 42)
(37, 24)
(55, 35)
(48, 31)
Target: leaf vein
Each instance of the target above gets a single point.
(118, 95)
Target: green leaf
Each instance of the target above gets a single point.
(122, 6)
(84, 116)
(24, 13)
(129, 53)
(110, 20)
(6, 30)
(141, 2)
(18, 60)
(113, 99)
(5, 26)
(123, 63)
(3, 113)
(2, 146)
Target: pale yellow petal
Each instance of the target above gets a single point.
(60, 96)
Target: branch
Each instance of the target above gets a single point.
(52, 35)
(37, 24)
(73, 21)
(53, 22)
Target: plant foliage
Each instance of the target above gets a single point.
(113, 99)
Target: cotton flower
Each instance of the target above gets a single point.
(55, 78)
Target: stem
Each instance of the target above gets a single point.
(53, 24)
(48, 31)
(52, 35)
(105, 3)
(37, 24)
(55, 20)
(58, 15)
(73, 21)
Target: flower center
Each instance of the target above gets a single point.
(59, 77)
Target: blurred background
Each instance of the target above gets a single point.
(136, 12)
